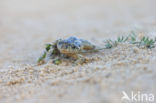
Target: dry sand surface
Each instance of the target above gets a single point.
(26, 25)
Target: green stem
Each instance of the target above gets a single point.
(42, 57)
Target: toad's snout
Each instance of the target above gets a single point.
(64, 47)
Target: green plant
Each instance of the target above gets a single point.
(132, 39)
(57, 61)
(147, 42)
(43, 56)
(122, 39)
(110, 43)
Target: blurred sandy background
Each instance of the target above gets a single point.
(26, 25)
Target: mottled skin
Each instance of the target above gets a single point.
(73, 46)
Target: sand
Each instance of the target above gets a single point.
(26, 25)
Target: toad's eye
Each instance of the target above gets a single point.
(74, 47)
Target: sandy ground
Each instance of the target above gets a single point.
(26, 25)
